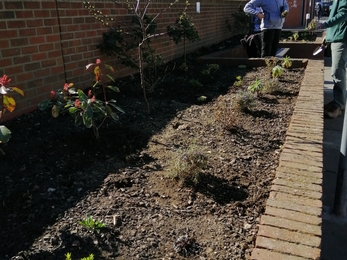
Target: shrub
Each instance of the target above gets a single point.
(241, 22)
(211, 69)
(87, 109)
(131, 42)
(183, 30)
(8, 103)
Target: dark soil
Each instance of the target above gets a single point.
(54, 174)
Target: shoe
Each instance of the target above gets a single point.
(332, 110)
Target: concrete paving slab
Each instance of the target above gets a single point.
(334, 229)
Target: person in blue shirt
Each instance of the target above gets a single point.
(257, 21)
(272, 16)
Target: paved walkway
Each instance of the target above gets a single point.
(334, 229)
(297, 223)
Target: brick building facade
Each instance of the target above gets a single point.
(46, 43)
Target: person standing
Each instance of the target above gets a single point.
(272, 19)
(318, 10)
(336, 35)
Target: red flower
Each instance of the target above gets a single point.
(66, 87)
(90, 93)
(98, 61)
(5, 80)
(77, 103)
(53, 94)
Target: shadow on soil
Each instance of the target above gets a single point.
(43, 170)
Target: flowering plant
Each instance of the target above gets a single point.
(7, 103)
(86, 108)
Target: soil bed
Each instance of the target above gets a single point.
(55, 174)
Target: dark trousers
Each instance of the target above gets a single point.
(270, 39)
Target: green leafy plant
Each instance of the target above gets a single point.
(92, 225)
(238, 82)
(245, 100)
(195, 83)
(295, 35)
(277, 71)
(90, 257)
(240, 22)
(8, 103)
(256, 86)
(132, 41)
(90, 109)
(188, 165)
(202, 99)
(183, 30)
(286, 62)
(211, 69)
(68, 257)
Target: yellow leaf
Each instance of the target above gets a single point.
(97, 73)
(55, 111)
(18, 90)
(9, 103)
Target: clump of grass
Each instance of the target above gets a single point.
(224, 113)
(187, 166)
(271, 86)
(245, 100)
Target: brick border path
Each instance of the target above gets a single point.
(290, 229)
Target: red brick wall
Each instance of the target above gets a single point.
(45, 43)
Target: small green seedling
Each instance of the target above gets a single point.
(277, 71)
(256, 87)
(68, 257)
(238, 81)
(287, 62)
(92, 225)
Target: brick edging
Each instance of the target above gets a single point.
(291, 225)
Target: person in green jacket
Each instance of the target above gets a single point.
(336, 34)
